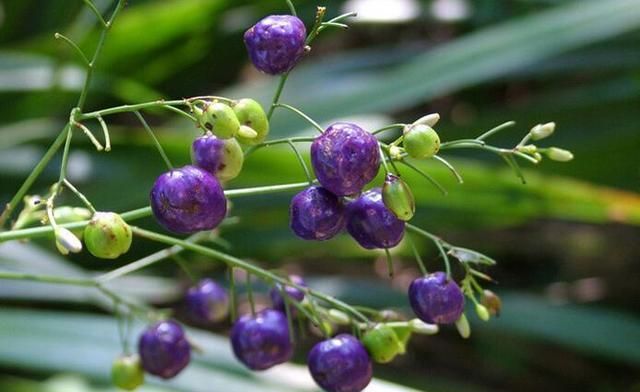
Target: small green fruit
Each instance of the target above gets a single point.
(107, 235)
(421, 141)
(398, 198)
(383, 344)
(482, 312)
(251, 114)
(221, 120)
(462, 325)
(127, 373)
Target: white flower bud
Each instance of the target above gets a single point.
(542, 131)
(463, 326)
(68, 241)
(419, 326)
(528, 149)
(429, 120)
(559, 154)
(482, 312)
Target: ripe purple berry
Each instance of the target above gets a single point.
(261, 341)
(188, 200)
(371, 223)
(164, 349)
(340, 364)
(316, 214)
(293, 293)
(345, 158)
(207, 303)
(221, 157)
(436, 299)
(276, 43)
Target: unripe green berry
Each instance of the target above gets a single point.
(397, 197)
(482, 312)
(107, 235)
(421, 141)
(251, 114)
(404, 334)
(382, 343)
(127, 372)
(231, 162)
(221, 120)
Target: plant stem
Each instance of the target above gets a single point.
(277, 94)
(79, 195)
(387, 128)
(300, 139)
(495, 130)
(146, 211)
(156, 142)
(235, 262)
(301, 114)
(307, 173)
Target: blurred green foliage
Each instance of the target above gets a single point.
(566, 242)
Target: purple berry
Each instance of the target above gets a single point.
(436, 299)
(371, 223)
(340, 364)
(188, 200)
(316, 214)
(164, 349)
(276, 43)
(221, 157)
(293, 293)
(345, 158)
(207, 303)
(261, 341)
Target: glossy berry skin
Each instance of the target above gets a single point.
(345, 158)
(316, 214)
(276, 43)
(262, 341)
(206, 303)
(293, 293)
(371, 223)
(436, 300)
(251, 114)
(188, 200)
(164, 349)
(127, 372)
(221, 157)
(107, 235)
(340, 364)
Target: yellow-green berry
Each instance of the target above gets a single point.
(107, 235)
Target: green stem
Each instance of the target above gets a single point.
(287, 140)
(47, 279)
(387, 128)
(74, 46)
(79, 195)
(246, 266)
(292, 8)
(301, 161)
(277, 94)
(301, 114)
(35, 173)
(97, 13)
(439, 242)
(156, 142)
(495, 130)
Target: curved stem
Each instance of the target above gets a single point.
(301, 114)
(163, 154)
(286, 140)
(387, 128)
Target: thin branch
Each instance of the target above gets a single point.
(161, 151)
(450, 167)
(301, 114)
(97, 13)
(74, 46)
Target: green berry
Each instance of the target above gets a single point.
(251, 114)
(221, 120)
(127, 373)
(398, 198)
(383, 344)
(107, 235)
(421, 141)
(482, 312)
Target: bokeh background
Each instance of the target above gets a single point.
(567, 242)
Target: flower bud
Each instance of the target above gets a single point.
(398, 198)
(419, 326)
(492, 302)
(463, 326)
(428, 120)
(107, 235)
(559, 154)
(528, 149)
(66, 241)
(221, 120)
(251, 114)
(395, 152)
(127, 373)
(542, 131)
(338, 317)
(246, 134)
(382, 343)
(482, 312)
(421, 141)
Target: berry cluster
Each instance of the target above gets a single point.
(345, 159)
